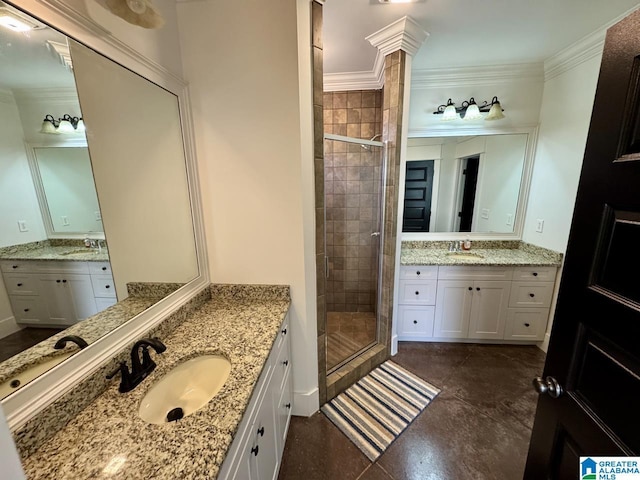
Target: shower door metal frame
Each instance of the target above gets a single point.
(380, 231)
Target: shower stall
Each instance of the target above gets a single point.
(354, 202)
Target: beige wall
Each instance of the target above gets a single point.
(241, 60)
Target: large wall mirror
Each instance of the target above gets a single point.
(127, 182)
(467, 184)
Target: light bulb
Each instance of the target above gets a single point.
(449, 113)
(495, 113)
(65, 127)
(80, 126)
(473, 112)
(137, 6)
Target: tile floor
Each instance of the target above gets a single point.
(25, 338)
(477, 428)
(347, 333)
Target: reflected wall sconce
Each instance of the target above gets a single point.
(470, 110)
(66, 124)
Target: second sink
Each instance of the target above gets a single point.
(185, 389)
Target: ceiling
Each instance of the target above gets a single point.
(28, 62)
(464, 32)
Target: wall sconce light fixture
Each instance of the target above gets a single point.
(470, 110)
(66, 124)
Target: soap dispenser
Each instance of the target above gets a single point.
(466, 245)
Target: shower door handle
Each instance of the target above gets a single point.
(375, 234)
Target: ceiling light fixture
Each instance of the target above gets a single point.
(470, 110)
(66, 124)
(16, 22)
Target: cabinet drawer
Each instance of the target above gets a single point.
(281, 367)
(531, 294)
(16, 266)
(417, 292)
(475, 273)
(103, 286)
(18, 284)
(417, 272)
(526, 323)
(99, 268)
(28, 309)
(415, 321)
(283, 337)
(61, 267)
(535, 274)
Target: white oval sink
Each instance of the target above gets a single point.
(19, 380)
(185, 389)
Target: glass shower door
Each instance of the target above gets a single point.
(353, 200)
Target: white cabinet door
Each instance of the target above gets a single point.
(263, 453)
(56, 299)
(82, 297)
(283, 412)
(489, 309)
(453, 307)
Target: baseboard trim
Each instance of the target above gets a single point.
(544, 345)
(8, 326)
(306, 404)
(394, 345)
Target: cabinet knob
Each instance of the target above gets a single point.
(64, 281)
(19, 284)
(285, 363)
(417, 292)
(478, 289)
(107, 286)
(14, 266)
(288, 405)
(104, 269)
(261, 431)
(532, 295)
(57, 281)
(26, 309)
(418, 272)
(254, 450)
(470, 288)
(527, 325)
(535, 274)
(415, 322)
(284, 331)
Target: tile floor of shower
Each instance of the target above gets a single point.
(347, 334)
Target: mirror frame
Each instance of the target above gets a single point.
(39, 187)
(523, 196)
(30, 400)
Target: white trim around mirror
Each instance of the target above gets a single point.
(523, 197)
(27, 402)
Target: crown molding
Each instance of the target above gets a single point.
(474, 76)
(60, 96)
(403, 34)
(61, 51)
(581, 51)
(373, 80)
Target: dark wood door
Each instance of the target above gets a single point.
(418, 187)
(594, 354)
(470, 176)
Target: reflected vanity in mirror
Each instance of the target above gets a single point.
(463, 184)
(91, 219)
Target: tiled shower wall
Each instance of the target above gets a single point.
(352, 188)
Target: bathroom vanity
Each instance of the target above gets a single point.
(239, 434)
(496, 295)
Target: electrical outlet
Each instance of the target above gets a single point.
(539, 225)
(509, 219)
(98, 216)
(22, 226)
(65, 220)
(485, 213)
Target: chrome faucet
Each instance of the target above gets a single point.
(139, 369)
(93, 243)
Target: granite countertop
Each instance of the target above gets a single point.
(90, 330)
(485, 253)
(108, 439)
(48, 252)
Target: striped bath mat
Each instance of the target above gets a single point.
(375, 410)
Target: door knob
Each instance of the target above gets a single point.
(375, 234)
(549, 385)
